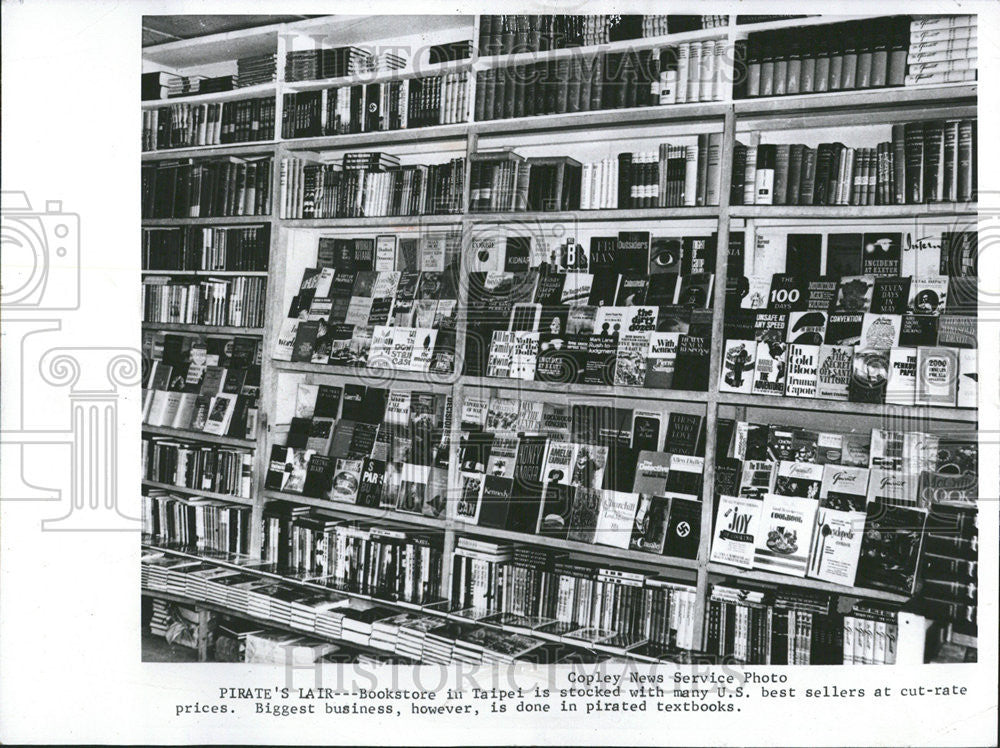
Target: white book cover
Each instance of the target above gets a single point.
(385, 253)
(305, 400)
(220, 413)
(285, 343)
(844, 488)
(937, 376)
(836, 545)
(928, 294)
(968, 379)
(741, 434)
(558, 463)
(397, 408)
(737, 523)
(770, 368)
(385, 284)
(501, 354)
(487, 251)
(892, 487)
(769, 250)
(738, 359)
(323, 282)
(474, 412)
(576, 287)
(901, 386)
(615, 518)
(423, 349)
(785, 534)
(758, 289)
(758, 478)
(880, 331)
(799, 479)
(803, 363)
(886, 450)
(525, 356)
(380, 351)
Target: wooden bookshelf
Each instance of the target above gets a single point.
(734, 118)
(199, 436)
(755, 575)
(208, 329)
(198, 492)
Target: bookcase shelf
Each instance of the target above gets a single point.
(247, 92)
(382, 76)
(589, 549)
(199, 436)
(254, 148)
(622, 45)
(935, 413)
(397, 222)
(379, 138)
(813, 584)
(210, 329)
(595, 390)
(361, 511)
(853, 211)
(198, 492)
(947, 94)
(385, 377)
(734, 118)
(204, 273)
(633, 214)
(601, 118)
(204, 220)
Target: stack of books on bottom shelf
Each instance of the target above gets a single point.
(553, 594)
(761, 627)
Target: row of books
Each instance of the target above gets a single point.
(197, 466)
(516, 34)
(602, 81)
(224, 414)
(206, 248)
(386, 562)
(327, 190)
(195, 522)
(931, 376)
(188, 125)
(160, 84)
(914, 453)
(376, 107)
(339, 62)
(925, 162)
(410, 636)
(256, 70)
(761, 627)
(943, 49)
(554, 594)
(219, 187)
(236, 302)
(191, 362)
(841, 271)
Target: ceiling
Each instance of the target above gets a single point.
(162, 29)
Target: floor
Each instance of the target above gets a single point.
(156, 649)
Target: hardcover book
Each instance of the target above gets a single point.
(806, 328)
(836, 544)
(890, 548)
(928, 295)
(803, 362)
(882, 254)
(649, 530)
(901, 388)
(869, 376)
(880, 331)
(769, 369)
(583, 516)
(937, 376)
(615, 518)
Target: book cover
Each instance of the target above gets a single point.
(918, 330)
(890, 295)
(584, 513)
(769, 369)
(413, 488)
(652, 469)
(968, 379)
(318, 477)
(836, 544)
(785, 534)
(691, 367)
(854, 293)
(890, 548)
(937, 376)
(554, 510)
(880, 331)
(821, 293)
(661, 359)
(928, 295)
(901, 387)
(649, 529)
(279, 468)
(787, 293)
(882, 254)
(467, 507)
(589, 465)
(869, 376)
(738, 363)
(803, 364)
(798, 479)
(758, 478)
(299, 461)
(806, 328)
(559, 461)
(685, 434)
(371, 482)
(844, 328)
(683, 527)
(615, 518)
(632, 252)
(843, 254)
(737, 525)
(630, 359)
(770, 326)
(646, 427)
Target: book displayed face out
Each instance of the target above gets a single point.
(802, 502)
(600, 311)
(889, 332)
